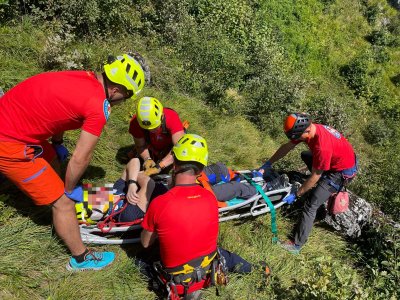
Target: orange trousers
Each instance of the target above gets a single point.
(27, 166)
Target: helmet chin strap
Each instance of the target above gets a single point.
(105, 86)
(106, 90)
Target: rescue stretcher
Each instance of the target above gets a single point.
(109, 231)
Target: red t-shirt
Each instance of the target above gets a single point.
(158, 140)
(186, 221)
(53, 102)
(331, 151)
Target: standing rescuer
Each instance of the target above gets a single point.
(41, 108)
(332, 163)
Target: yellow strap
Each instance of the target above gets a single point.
(187, 269)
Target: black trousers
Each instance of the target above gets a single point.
(330, 183)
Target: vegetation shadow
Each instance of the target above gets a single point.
(40, 215)
(396, 80)
(394, 3)
(141, 257)
(122, 154)
(94, 172)
(12, 196)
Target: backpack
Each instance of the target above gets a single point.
(338, 203)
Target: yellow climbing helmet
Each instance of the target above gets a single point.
(83, 214)
(126, 71)
(191, 147)
(86, 214)
(149, 113)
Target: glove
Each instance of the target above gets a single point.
(153, 170)
(238, 178)
(149, 163)
(76, 194)
(290, 198)
(256, 173)
(62, 152)
(266, 167)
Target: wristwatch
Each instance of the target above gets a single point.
(57, 142)
(130, 181)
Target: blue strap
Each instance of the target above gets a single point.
(274, 228)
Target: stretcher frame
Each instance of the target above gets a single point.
(252, 207)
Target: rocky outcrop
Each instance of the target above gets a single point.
(360, 215)
(395, 3)
(351, 222)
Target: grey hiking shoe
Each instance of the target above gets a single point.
(278, 183)
(290, 246)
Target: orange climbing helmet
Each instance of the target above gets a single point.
(295, 125)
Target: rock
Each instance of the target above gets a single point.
(361, 214)
(351, 222)
(395, 3)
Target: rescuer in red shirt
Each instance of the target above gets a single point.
(332, 163)
(185, 222)
(41, 108)
(155, 130)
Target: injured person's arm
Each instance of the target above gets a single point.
(138, 186)
(131, 178)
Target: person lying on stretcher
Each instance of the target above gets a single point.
(137, 188)
(225, 184)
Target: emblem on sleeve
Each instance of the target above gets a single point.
(332, 131)
(106, 109)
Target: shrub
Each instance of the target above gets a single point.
(86, 17)
(377, 250)
(396, 80)
(212, 64)
(356, 75)
(376, 132)
(58, 56)
(381, 54)
(273, 88)
(380, 37)
(329, 280)
(371, 12)
(330, 111)
(236, 20)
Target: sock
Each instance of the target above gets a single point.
(80, 258)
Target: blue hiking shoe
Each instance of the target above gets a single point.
(290, 246)
(93, 261)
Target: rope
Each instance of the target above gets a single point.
(109, 222)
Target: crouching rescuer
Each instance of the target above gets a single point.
(185, 222)
(331, 161)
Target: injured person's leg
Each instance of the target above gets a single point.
(227, 191)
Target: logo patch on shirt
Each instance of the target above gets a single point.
(332, 131)
(106, 109)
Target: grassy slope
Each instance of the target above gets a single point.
(32, 260)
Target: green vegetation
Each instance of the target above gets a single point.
(233, 69)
